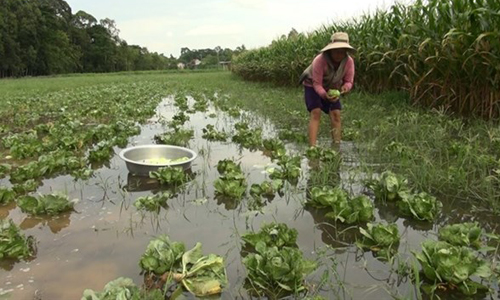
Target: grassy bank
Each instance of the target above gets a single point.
(438, 153)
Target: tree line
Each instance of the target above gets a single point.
(44, 37)
(209, 57)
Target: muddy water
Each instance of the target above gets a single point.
(105, 237)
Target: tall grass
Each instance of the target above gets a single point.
(444, 53)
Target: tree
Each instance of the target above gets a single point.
(10, 63)
(83, 20)
(100, 56)
(56, 53)
(40, 37)
(217, 50)
(110, 26)
(210, 61)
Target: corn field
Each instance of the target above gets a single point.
(446, 54)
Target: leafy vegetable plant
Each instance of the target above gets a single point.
(200, 275)
(272, 235)
(232, 185)
(233, 112)
(227, 166)
(6, 195)
(200, 105)
(463, 234)
(289, 168)
(421, 206)
(277, 272)
(122, 289)
(327, 155)
(50, 204)
(389, 187)
(209, 133)
(266, 188)
(357, 209)
(13, 243)
(154, 202)
(161, 255)
(181, 102)
(4, 169)
(275, 266)
(326, 196)
(246, 137)
(179, 119)
(57, 161)
(170, 175)
(273, 144)
(102, 152)
(27, 186)
(293, 136)
(345, 209)
(178, 137)
(452, 267)
(382, 239)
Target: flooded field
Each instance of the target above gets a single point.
(106, 235)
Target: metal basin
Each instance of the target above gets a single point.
(136, 157)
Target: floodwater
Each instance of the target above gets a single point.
(105, 236)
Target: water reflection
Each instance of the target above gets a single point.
(339, 236)
(228, 202)
(336, 234)
(5, 209)
(387, 211)
(8, 263)
(136, 183)
(56, 224)
(418, 225)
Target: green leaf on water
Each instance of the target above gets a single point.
(13, 243)
(50, 204)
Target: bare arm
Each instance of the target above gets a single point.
(348, 77)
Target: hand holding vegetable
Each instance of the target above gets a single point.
(333, 95)
(343, 90)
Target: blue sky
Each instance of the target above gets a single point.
(165, 26)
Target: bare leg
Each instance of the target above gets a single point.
(336, 125)
(314, 126)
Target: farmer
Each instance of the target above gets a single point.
(332, 68)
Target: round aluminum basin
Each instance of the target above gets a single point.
(136, 157)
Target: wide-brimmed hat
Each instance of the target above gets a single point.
(340, 40)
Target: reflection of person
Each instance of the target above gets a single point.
(333, 68)
(387, 211)
(333, 233)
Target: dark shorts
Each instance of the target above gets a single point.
(313, 100)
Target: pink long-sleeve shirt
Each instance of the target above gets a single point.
(320, 66)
